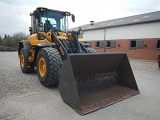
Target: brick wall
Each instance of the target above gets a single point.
(149, 51)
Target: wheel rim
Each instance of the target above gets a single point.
(42, 67)
(22, 60)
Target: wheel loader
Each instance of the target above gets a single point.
(87, 80)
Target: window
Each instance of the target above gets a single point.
(139, 44)
(136, 44)
(133, 44)
(53, 20)
(87, 42)
(158, 43)
(99, 44)
(36, 26)
(110, 44)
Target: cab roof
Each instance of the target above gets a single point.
(47, 9)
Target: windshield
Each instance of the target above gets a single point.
(55, 21)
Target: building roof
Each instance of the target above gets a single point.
(131, 20)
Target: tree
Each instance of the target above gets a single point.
(13, 40)
(8, 42)
(18, 37)
(5, 36)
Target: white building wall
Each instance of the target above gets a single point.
(146, 30)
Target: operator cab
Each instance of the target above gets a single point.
(44, 20)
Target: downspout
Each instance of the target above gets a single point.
(104, 42)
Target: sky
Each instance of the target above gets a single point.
(14, 14)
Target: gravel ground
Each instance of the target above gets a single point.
(143, 65)
(14, 83)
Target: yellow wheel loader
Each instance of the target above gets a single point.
(87, 80)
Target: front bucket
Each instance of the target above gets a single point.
(91, 81)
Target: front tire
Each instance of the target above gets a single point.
(48, 64)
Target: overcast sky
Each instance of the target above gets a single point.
(14, 14)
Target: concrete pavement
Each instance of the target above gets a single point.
(48, 105)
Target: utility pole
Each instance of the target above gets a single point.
(104, 42)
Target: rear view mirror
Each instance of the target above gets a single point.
(30, 30)
(73, 18)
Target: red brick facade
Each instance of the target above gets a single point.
(149, 50)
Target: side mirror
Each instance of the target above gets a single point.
(36, 14)
(30, 30)
(73, 18)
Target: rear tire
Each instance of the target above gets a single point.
(48, 65)
(91, 50)
(26, 66)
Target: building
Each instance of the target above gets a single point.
(138, 35)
